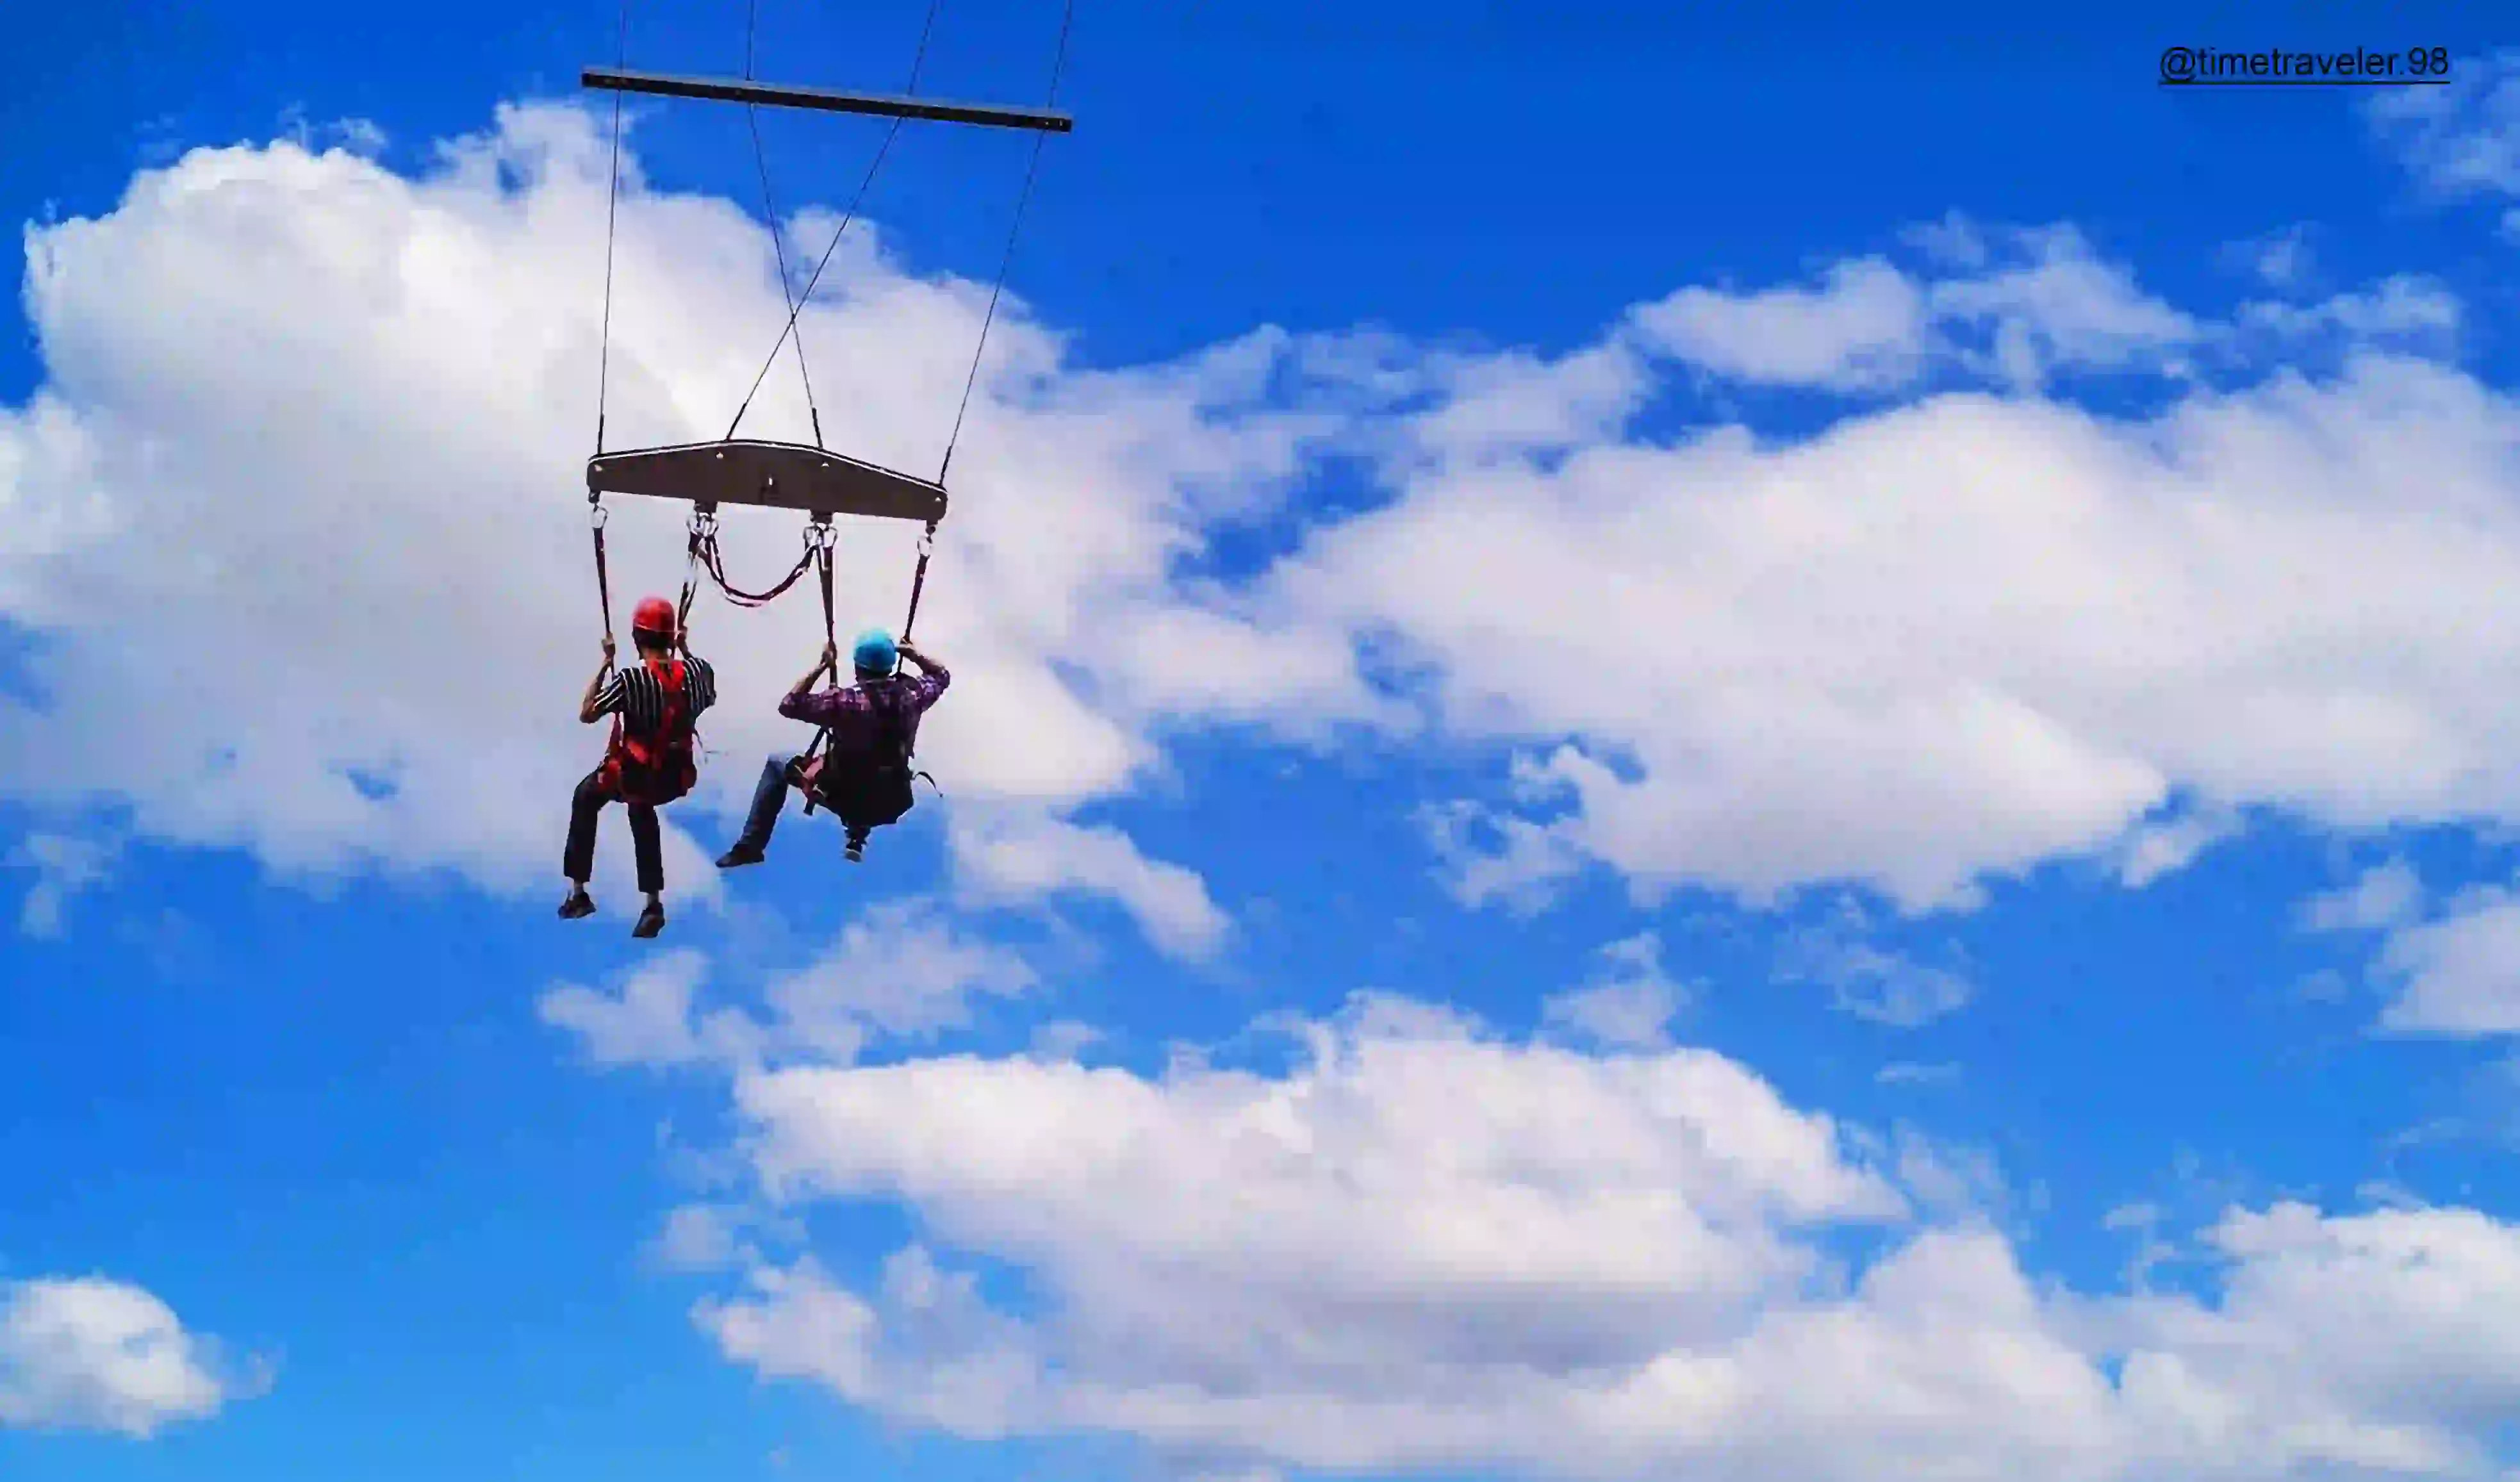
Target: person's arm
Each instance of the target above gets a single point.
(591, 706)
(800, 702)
(933, 677)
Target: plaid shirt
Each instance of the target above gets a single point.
(854, 711)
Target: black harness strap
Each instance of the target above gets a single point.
(831, 638)
(918, 579)
(602, 576)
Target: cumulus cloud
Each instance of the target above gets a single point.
(1016, 855)
(1627, 1004)
(63, 865)
(1867, 980)
(901, 972)
(1425, 1246)
(2462, 139)
(2013, 307)
(1967, 637)
(647, 1021)
(86, 1353)
(2387, 894)
(1928, 646)
(336, 415)
(1863, 327)
(2458, 972)
(2450, 967)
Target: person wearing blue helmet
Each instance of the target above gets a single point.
(863, 775)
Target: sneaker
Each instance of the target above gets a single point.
(651, 920)
(579, 903)
(740, 855)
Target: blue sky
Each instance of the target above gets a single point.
(1681, 746)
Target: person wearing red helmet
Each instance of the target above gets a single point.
(648, 761)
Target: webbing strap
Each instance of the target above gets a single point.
(831, 637)
(603, 578)
(918, 579)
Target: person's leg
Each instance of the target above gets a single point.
(769, 797)
(647, 843)
(577, 859)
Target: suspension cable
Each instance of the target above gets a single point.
(770, 210)
(797, 308)
(1058, 66)
(612, 218)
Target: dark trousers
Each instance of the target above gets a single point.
(769, 797)
(578, 863)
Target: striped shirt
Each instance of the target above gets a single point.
(854, 711)
(638, 696)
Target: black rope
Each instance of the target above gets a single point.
(612, 216)
(798, 306)
(770, 210)
(831, 626)
(831, 643)
(1058, 66)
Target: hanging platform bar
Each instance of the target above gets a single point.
(778, 475)
(732, 90)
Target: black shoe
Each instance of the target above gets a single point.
(856, 852)
(740, 855)
(579, 903)
(651, 920)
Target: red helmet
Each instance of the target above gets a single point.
(654, 616)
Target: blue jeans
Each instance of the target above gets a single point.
(769, 797)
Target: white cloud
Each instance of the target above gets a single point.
(1423, 1248)
(698, 1237)
(2388, 894)
(2398, 307)
(1930, 646)
(373, 432)
(2020, 305)
(1965, 638)
(900, 972)
(2462, 139)
(63, 865)
(2166, 847)
(2280, 259)
(1911, 1073)
(1865, 327)
(1014, 855)
(1627, 1004)
(1867, 981)
(2459, 972)
(2446, 968)
(85, 1352)
(648, 1021)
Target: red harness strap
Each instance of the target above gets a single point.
(654, 769)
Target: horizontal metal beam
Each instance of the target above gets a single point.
(778, 476)
(732, 90)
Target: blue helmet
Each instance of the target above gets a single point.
(874, 652)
